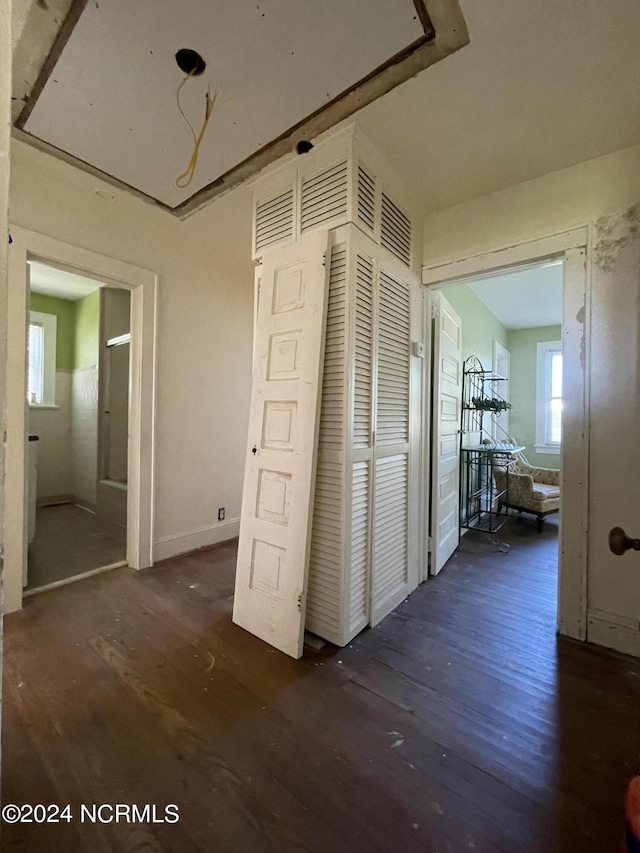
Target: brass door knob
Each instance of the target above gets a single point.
(619, 542)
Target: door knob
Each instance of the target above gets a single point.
(619, 542)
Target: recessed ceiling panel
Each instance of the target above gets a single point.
(111, 97)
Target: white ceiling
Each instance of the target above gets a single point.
(60, 283)
(111, 98)
(542, 85)
(524, 299)
(19, 12)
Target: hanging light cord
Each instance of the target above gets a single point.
(186, 177)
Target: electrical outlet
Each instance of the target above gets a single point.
(221, 514)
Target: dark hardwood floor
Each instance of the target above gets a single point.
(461, 723)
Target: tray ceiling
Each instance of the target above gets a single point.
(110, 99)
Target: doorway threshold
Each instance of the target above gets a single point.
(64, 581)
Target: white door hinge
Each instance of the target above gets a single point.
(435, 310)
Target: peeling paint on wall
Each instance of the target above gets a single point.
(580, 317)
(613, 233)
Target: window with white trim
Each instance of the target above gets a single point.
(549, 397)
(41, 379)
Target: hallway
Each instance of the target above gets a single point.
(460, 723)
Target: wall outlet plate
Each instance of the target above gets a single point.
(221, 514)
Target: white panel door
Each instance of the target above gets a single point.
(277, 501)
(445, 462)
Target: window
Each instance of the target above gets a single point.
(35, 390)
(549, 397)
(41, 382)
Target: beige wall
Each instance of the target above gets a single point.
(572, 197)
(205, 299)
(565, 199)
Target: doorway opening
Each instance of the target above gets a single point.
(497, 415)
(78, 386)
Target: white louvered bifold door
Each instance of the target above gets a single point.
(325, 595)
(364, 541)
(364, 271)
(393, 569)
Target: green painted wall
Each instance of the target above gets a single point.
(78, 328)
(87, 328)
(522, 344)
(480, 328)
(64, 310)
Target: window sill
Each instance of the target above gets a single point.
(550, 449)
(42, 406)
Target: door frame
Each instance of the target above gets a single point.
(571, 246)
(31, 245)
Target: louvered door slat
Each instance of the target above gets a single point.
(394, 342)
(326, 562)
(363, 384)
(395, 230)
(327, 186)
(323, 196)
(359, 569)
(332, 423)
(390, 530)
(366, 198)
(274, 220)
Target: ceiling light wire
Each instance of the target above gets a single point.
(186, 177)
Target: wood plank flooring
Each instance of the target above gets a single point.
(461, 723)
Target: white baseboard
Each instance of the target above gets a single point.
(54, 500)
(614, 632)
(181, 543)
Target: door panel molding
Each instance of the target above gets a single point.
(277, 501)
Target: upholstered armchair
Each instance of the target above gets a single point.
(526, 488)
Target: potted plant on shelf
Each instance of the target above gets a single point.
(490, 404)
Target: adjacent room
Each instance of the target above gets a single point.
(77, 394)
(510, 414)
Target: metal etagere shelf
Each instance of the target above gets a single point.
(482, 449)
